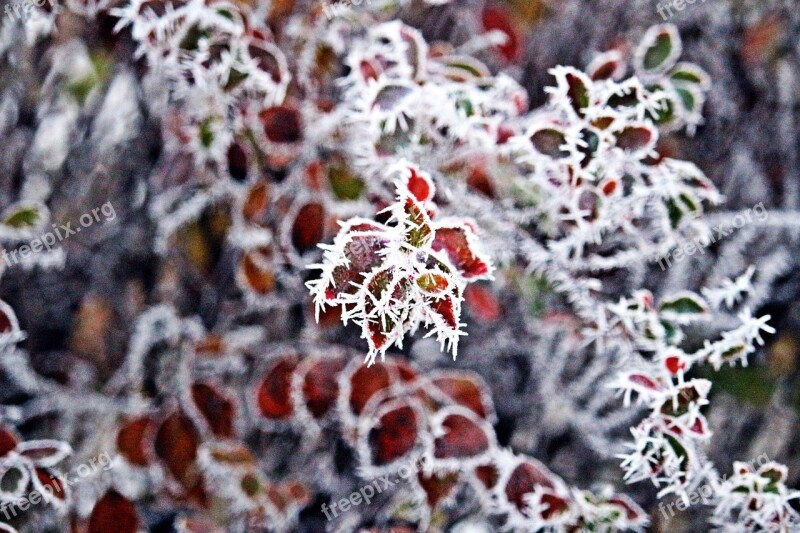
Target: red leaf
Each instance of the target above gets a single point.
(232, 454)
(556, 505)
(362, 256)
(608, 65)
(487, 475)
(524, 479)
(478, 178)
(365, 382)
(266, 61)
(463, 438)
(609, 187)
(176, 444)
(377, 336)
(256, 203)
(132, 443)
(8, 440)
(320, 386)
(282, 124)
(496, 18)
(605, 71)
(8, 321)
(674, 364)
(309, 227)
(455, 241)
(438, 486)
(634, 138)
(699, 426)
(370, 69)
(444, 308)
(394, 436)
(405, 370)
(218, 410)
(274, 398)
(464, 390)
(113, 513)
(420, 186)
(51, 484)
(644, 381)
(482, 303)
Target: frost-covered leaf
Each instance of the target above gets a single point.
(659, 49)
(606, 66)
(458, 241)
(218, 410)
(113, 512)
(282, 124)
(393, 435)
(14, 479)
(460, 435)
(685, 303)
(176, 443)
(274, 397)
(549, 142)
(44, 453)
(317, 379)
(134, 441)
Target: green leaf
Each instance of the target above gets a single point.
(418, 231)
(690, 202)
(680, 451)
(206, 133)
(675, 213)
(577, 92)
(194, 35)
(660, 48)
(81, 88)
(235, 78)
(345, 184)
(23, 217)
(13, 481)
(688, 98)
(685, 304)
(658, 53)
(666, 114)
(465, 105)
(689, 73)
